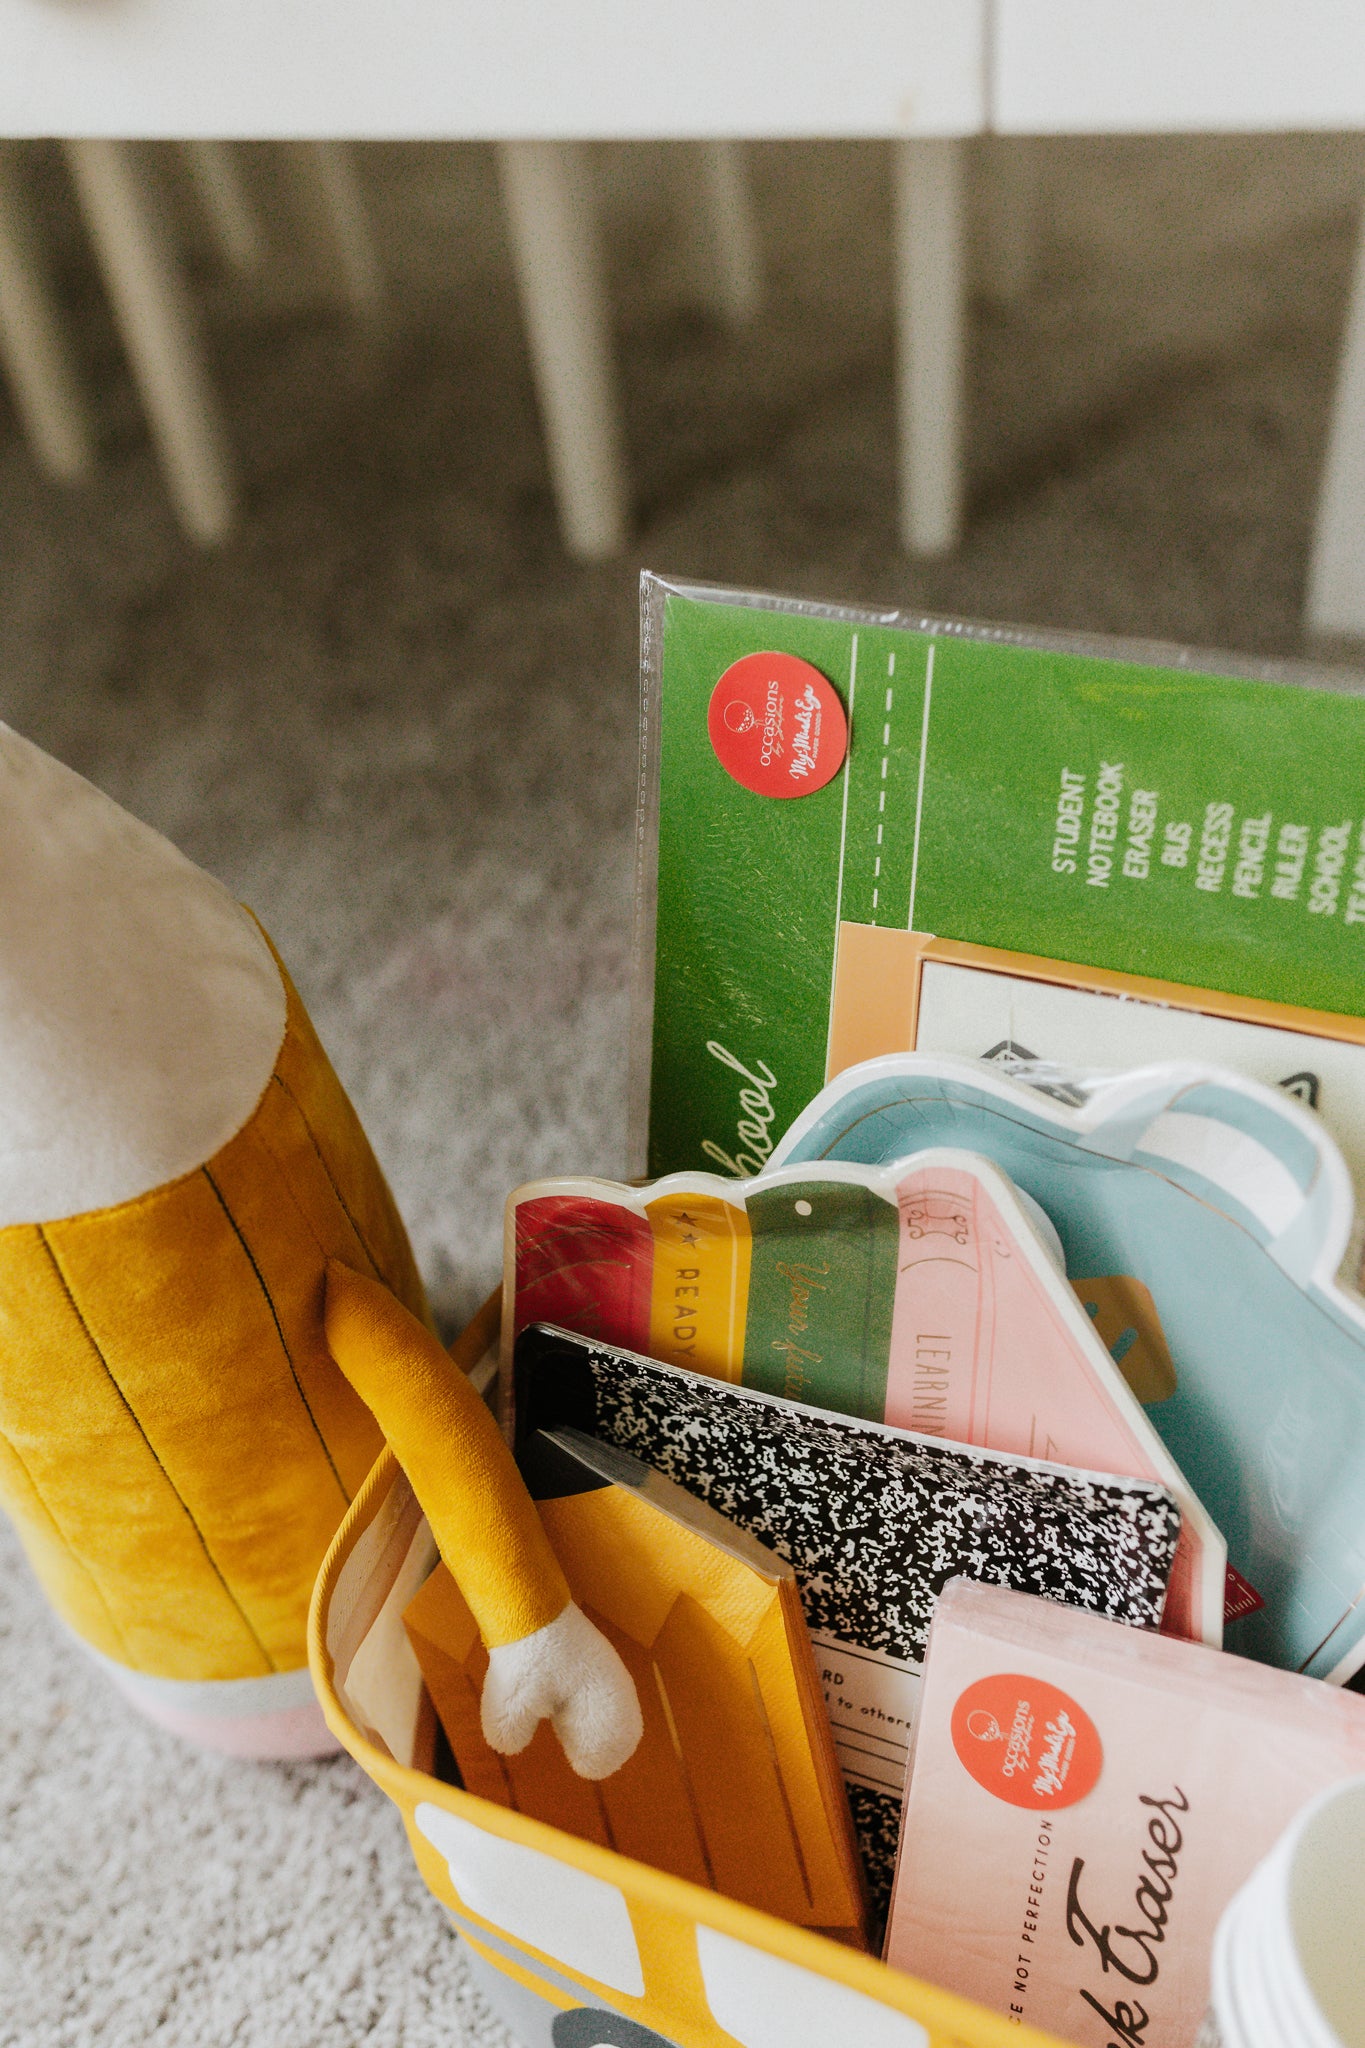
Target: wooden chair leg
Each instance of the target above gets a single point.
(930, 327)
(551, 216)
(33, 347)
(327, 172)
(1336, 575)
(215, 172)
(156, 320)
(727, 258)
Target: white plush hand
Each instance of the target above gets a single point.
(570, 1672)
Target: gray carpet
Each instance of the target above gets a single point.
(396, 721)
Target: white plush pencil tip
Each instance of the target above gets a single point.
(141, 1011)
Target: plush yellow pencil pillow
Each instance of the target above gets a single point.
(178, 1164)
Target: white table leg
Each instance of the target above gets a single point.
(1336, 574)
(327, 169)
(548, 192)
(33, 348)
(930, 321)
(216, 174)
(725, 233)
(156, 320)
(1008, 193)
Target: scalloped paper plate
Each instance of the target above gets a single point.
(1233, 1206)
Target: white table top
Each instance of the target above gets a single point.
(1153, 66)
(499, 69)
(615, 68)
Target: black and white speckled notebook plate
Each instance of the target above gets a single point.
(875, 1522)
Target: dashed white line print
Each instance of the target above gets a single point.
(886, 755)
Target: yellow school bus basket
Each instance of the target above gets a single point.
(575, 1946)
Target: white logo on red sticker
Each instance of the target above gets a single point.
(777, 725)
(1027, 1742)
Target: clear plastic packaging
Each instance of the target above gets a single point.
(872, 655)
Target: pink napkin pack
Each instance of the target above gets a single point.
(1084, 1799)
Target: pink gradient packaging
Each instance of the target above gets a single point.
(1084, 1800)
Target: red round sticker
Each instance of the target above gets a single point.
(777, 725)
(1027, 1742)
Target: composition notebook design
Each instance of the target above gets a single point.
(875, 1522)
(1017, 833)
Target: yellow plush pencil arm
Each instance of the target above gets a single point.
(484, 1522)
(545, 1657)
